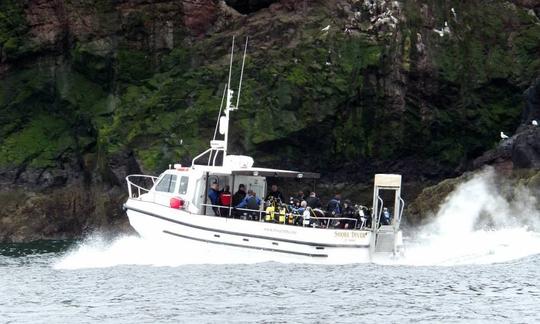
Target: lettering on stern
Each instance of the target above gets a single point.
(281, 231)
(350, 235)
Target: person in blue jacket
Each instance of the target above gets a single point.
(213, 194)
(250, 202)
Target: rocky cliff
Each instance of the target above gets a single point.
(93, 90)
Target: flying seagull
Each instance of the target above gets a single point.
(534, 122)
(504, 136)
(326, 28)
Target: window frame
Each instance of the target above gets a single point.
(170, 186)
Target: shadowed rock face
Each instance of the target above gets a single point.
(522, 150)
(526, 148)
(249, 6)
(532, 103)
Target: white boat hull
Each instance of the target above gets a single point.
(152, 220)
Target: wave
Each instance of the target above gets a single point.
(484, 220)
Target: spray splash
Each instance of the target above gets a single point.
(96, 252)
(477, 224)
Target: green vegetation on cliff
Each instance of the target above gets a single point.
(330, 98)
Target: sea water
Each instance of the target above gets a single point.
(454, 270)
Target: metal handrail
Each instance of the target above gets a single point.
(402, 207)
(130, 184)
(335, 218)
(260, 212)
(200, 155)
(380, 212)
(230, 208)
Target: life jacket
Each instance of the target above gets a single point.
(269, 213)
(225, 199)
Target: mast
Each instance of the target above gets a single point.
(224, 120)
(222, 124)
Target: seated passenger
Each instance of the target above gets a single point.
(213, 194)
(239, 195)
(299, 220)
(300, 196)
(250, 202)
(225, 200)
(348, 212)
(313, 201)
(275, 194)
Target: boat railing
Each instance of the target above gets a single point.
(381, 207)
(402, 207)
(325, 222)
(139, 184)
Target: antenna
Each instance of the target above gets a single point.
(229, 94)
(220, 109)
(241, 74)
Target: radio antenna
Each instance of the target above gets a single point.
(241, 74)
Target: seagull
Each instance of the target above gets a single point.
(534, 122)
(504, 136)
(326, 28)
(439, 31)
(446, 29)
(443, 31)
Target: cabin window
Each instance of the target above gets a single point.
(167, 183)
(183, 185)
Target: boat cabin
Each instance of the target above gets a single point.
(192, 184)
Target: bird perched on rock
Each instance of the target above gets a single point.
(504, 136)
(534, 122)
(443, 31)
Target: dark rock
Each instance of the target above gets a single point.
(526, 148)
(532, 103)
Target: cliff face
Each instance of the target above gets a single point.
(93, 90)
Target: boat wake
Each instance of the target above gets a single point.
(477, 224)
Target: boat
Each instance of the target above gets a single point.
(176, 205)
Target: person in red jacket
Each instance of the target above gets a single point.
(225, 199)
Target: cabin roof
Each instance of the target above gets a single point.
(262, 172)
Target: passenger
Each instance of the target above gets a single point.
(313, 201)
(299, 220)
(239, 195)
(386, 217)
(348, 212)
(300, 196)
(250, 202)
(334, 208)
(334, 205)
(213, 194)
(275, 194)
(225, 200)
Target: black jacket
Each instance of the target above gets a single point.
(275, 194)
(238, 197)
(313, 202)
